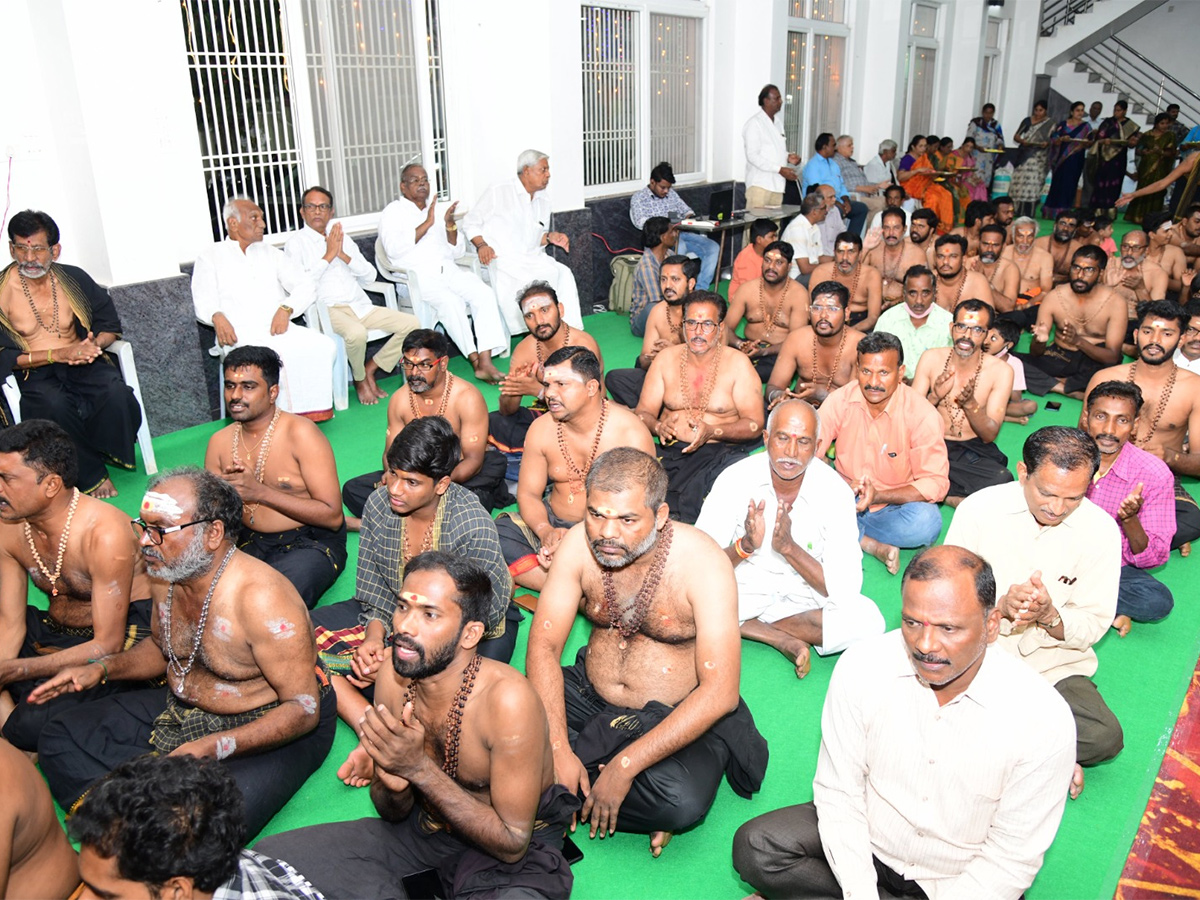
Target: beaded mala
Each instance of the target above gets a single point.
(1164, 397)
(37, 316)
(628, 621)
(579, 474)
(836, 362)
(710, 381)
(53, 577)
(956, 412)
(537, 345)
(441, 411)
(264, 448)
(174, 666)
(455, 714)
(769, 322)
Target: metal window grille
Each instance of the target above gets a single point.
(795, 88)
(829, 10)
(922, 69)
(674, 92)
(610, 95)
(828, 71)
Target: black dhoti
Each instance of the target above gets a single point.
(625, 385)
(1187, 516)
(690, 476)
(1074, 367)
(311, 558)
(974, 465)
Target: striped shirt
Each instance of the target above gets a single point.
(646, 289)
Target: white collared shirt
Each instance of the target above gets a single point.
(511, 221)
(766, 151)
(398, 232)
(248, 287)
(338, 283)
(1192, 365)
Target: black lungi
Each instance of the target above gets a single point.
(690, 476)
(518, 543)
(311, 558)
(625, 385)
(1075, 367)
(1187, 516)
(974, 465)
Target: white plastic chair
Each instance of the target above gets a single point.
(123, 351)
(318, 315)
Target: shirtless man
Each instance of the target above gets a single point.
(474, 787)
(662, 600)
(977, 214)
(922, 230)
(863, 281)
(771, 306)
(664, 327)
(282, 467)
(431, 390)
(1035, 268)
(231, 637)
(955, 281)
(1002, 275)
(559, 451)
(970, 390)
(704, 405)
(83, 556)
(1186, 233)
(1061, 244)
(1170, 257)
(35, 858)
(820, 357)
(893, 257)
(1172, 405)
(1089, 324)
(1136, 279)
(1006, 211)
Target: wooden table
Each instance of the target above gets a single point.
(707, 226)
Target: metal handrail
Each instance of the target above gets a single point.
(1105, 59)
(1061, 12)
(1179, 85)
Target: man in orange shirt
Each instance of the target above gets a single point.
(890, 449)
(747, 265)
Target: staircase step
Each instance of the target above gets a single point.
(1093, 77)
(1080, 67)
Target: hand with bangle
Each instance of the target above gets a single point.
(755, 530)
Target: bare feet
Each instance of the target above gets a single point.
(1076, 781)
(105, 490)
(885, 553)
(658, 842)
(366, 393)
(1185, 549)
(358, 768)
(485, 370)
(1122, 624)
(372, 368)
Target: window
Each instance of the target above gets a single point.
(297, 92)
(920, 69)
(814, 80)
(641, 96)
(993, 50)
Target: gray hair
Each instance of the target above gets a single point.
(530, 158)
(1024, 220)
(230, 210)
(845, 139)
(816, 416)
(885, 146)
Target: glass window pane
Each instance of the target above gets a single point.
(794, 84)
(610, 95)
(924, 20)
(799, 9)
(829, 67)
(675, 92)
(922, 68)
(829, 10)
(993, 35)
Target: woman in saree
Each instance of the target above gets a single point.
(967, 161)
(916, 173)
(988, 135)
(1114, 137)
(1155, 154)
(1068, 143)
(1033, 139)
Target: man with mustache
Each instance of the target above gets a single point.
(771, 306)
(1186, 233)
(970, 389)
(664, 327)
(890, 451)
(794, 550)
(956, 282)
(559, 450)
(1089, 325)
(1061, 244)
(282, 467)
(1187, 356)
(1158, 227)
(55, 324)
(922, 229)
(1138, 490)
(1057, 559)
(1035, 268)
(80, 552)
(818, 357)
(938, 690)
(863, 281)
(659, 238)
(456, 752)
(893, 256)
(231, 638)
(977, 214)
(1172, 397)
(1136, 279)
(919, 323)
(648, 718)
(1001, 274)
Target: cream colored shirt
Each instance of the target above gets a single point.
(1080, 562)
(964, 798)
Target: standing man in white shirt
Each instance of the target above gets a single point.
(944, 764)
(411, 239)
(341, 272)
(510, 224)
(249, 292)
(768, 162)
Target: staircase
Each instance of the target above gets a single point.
(1149, 89)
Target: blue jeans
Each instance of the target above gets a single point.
(707, 250)
(902, 525)
(1142, 597)
(857, 220)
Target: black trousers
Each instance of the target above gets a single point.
(1187, 517)
(625, 385)
(310, 558)
(975, 465)
(690, 476)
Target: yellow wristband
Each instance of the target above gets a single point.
(737, 548)
(49, 357)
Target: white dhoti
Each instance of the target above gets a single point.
(844, 619)
(306, 382)
(453, 293)
(513, 272)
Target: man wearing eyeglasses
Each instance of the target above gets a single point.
(818, 357)
(340, 271)
(1187, 355)
(1136, 279)
(970, 390)
(231, 638)
(77, 550)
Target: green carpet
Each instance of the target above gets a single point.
(1143, 678)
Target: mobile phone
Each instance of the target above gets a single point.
(570, 850)
(1053, 405)
(424, 884)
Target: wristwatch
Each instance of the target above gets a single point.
(1054, 623)
(287, 309)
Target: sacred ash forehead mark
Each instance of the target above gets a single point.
(161, 504)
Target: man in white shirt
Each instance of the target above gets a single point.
(768, 162)
(511, 225)
(341, 272)
(249, 291)
(944, 764)
(882, 167)
(795, 547)
(804, 234)
(1187, 355)
(411, 239)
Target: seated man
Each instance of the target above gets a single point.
(37, 860)
(820, 356)
(426, 376)
(249, 292)
(292, 509)
(1035, 270)
(1158, 229)
(559, 451)
(922, 231)
(647, 719)
(230, 637)
(174, 824)
(1138, 490)
(889, 450)
(918, 323)
(771, 305)
(1089, 326)
(1061, 244)
(1057, 559)
(341, 272)
(794, 550)
(862, 189)
(1001, 274)
(804, 234)
(77, 550)
(894, 197)
(546, 321)
(821, 169)
(977, 214)
(894, 256)
(704, 405)
(1136, 280)
(863, 281)
(955, 281)
(939, 690)
(478, 802)
(658, 198)
(510, 225)
(833, 224)
(81, 390)
(747, 265)
(664, 328)
(1006, 211)
(1187, 355)
(659, 237)
(970, 389)
(999, 343)
(418, 508)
